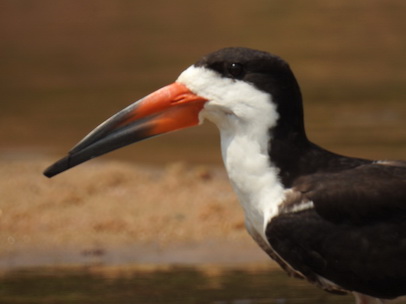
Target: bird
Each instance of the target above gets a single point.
(337, 221)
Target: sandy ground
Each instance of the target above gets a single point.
(115, 213)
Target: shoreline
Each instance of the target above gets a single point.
(214, 253)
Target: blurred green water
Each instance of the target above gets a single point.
(173, 285)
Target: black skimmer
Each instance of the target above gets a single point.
(336, 221)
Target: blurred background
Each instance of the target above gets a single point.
(67, 65)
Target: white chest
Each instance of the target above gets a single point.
(254, 180)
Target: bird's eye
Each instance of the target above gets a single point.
(236, 70)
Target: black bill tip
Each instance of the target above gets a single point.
(58, 167)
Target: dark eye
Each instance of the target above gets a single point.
(236, 70)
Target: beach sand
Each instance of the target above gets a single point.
(118, 213)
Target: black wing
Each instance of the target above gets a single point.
(365, 193)
(354, 236)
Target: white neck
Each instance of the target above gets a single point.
(244, 116)
(253, 178)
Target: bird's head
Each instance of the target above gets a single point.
(235, 88)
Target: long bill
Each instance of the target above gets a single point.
(168, 109)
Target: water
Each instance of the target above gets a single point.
(67, 66)
(167, 285)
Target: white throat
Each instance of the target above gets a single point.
(244, 116)
(253, 178)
